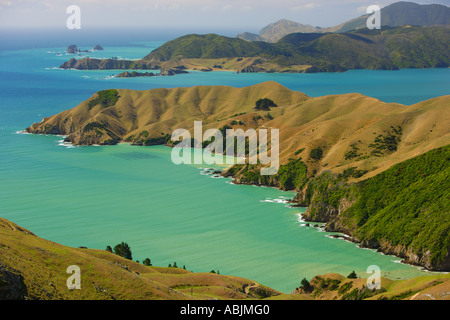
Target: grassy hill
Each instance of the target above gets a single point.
(35, 269)
(403, 47)
(345, 127)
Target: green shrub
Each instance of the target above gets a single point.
(105, 98)
(316, 153)
(306, 286)
(264, 104)
(123, 250)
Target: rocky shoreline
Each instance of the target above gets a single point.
(329, 215)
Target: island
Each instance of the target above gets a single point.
(73, 49)
(163, 72)
(135, 74)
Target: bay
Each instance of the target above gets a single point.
(98, 196)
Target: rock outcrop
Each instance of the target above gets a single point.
(72, 49)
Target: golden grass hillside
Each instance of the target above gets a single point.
(33, 268)
(348, 128)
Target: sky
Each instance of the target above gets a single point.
(244, 15)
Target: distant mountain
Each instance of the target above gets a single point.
(405, 13)
(277, 30)
(394, 15)
(250, 36)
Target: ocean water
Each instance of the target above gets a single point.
(102, 195)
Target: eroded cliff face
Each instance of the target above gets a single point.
(326, 197)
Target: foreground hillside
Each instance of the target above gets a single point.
(35, 269)
(386, 49)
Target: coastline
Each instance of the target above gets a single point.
(291, 202)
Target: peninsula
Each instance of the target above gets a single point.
(388, 49)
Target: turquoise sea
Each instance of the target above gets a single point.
(98, 196)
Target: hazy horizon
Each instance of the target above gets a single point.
(200, 15)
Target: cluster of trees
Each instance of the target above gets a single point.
(316, 153)
(123, 249)
(175, 265)
(106, 98)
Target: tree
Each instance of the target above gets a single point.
(147, 262)
(316, 153)
(109, 249)
(352, 275)
(306, 286)
(123, 250)
(264, 104)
